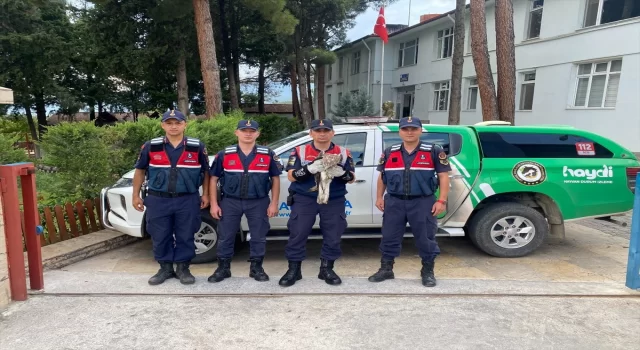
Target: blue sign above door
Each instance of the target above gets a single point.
(404, 77)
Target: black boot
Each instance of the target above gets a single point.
(293, 274)
(327, 274)
(223, 271)
(183, 273)
(256, 271)
(385, 272)
(428, 278)
(166, 271)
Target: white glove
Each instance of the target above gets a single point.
(336, 171)
(315, 167)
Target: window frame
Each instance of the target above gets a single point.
(340, 67)
(522, 85)
(600, 10)
(471, 86)
(440, 41)
(437, 91)
(590, 76)
(503, 150)
(401, 53)
(330, 72)
(355, 63)
(532, 9)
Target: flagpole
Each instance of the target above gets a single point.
(381, 77)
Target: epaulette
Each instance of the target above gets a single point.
(396, 147)
(263, 150)
(425, 147)
(157, 141)
(231, 149)
(193, 142)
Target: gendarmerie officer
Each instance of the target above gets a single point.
(247, 172)
(175, 166)
(303, 164)
(410, 173)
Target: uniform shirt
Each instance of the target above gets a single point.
(440, 159)
(173, 153)
(275, 168)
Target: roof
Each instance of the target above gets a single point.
(6, 95)
(272, 108)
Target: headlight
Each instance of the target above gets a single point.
(123, 182)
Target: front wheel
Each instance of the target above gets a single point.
(508, 230)
(206, 240)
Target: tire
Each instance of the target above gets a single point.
(206, 240)
(509, 241)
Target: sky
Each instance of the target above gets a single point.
(397, 13)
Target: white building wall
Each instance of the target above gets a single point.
(563, 44)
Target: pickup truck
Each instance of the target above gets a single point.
(511, 186)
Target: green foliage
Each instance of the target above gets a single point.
(14, 126)
(8, 153)
(216, 133)
(82, 158)
(274, 127)
(357, 104)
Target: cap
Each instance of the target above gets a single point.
(410, 122)
(248, 124)
(173, 114)
(317, 124)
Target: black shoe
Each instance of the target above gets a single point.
(327, 274)
(166, 271)
(223, 271)
(293, 274)
(256, 271)
(385, 272)
(428, 278)
(183, 273)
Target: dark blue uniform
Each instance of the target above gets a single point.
(305, 208)
(411, 182)
(253, 203)
(172, 210)
(245, 182)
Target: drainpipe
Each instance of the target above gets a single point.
(451, 18)
(369, 68)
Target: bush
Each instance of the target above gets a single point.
(358, 104)
(8, 153)
(82, 158)
(274, 127)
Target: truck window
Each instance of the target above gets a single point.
(534, 145)
(451, 143)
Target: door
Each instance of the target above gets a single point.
(405, 103)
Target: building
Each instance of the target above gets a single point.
(577, 63)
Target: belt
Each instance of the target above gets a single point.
(167, 194)
(399, 196)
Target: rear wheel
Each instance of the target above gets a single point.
(508, 230)
(206, 240)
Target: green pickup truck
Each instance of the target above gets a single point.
(510, 185)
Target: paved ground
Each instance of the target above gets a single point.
(570, 294)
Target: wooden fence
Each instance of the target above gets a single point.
(64, 222)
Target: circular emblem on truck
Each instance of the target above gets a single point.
(529, 173)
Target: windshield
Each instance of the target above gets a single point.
(287, 139)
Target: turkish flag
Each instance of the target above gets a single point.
(380, 29)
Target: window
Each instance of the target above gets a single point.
(472, 96)
(534, 145)
(355, 64)
(329, 103)
(339, 96)
(330, 72)
(340, 66)
(606, 11)
(451, 143)
(535, 19)
(408, 53)
(445, 43)
(597, 85)
(355, 142)
(441, 96)
(526, 91)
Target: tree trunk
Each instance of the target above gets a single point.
(320, 71)
(100, 107)
(226, 48)
(32, 125)
(304, 93)
(294, 93)
(183, 88)
(261, 85)
(506, 55)
(235, 48)
(480, 53)
(41, 113)
(457, 65)
(92, 112)
(208, 61)
(309, 91)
